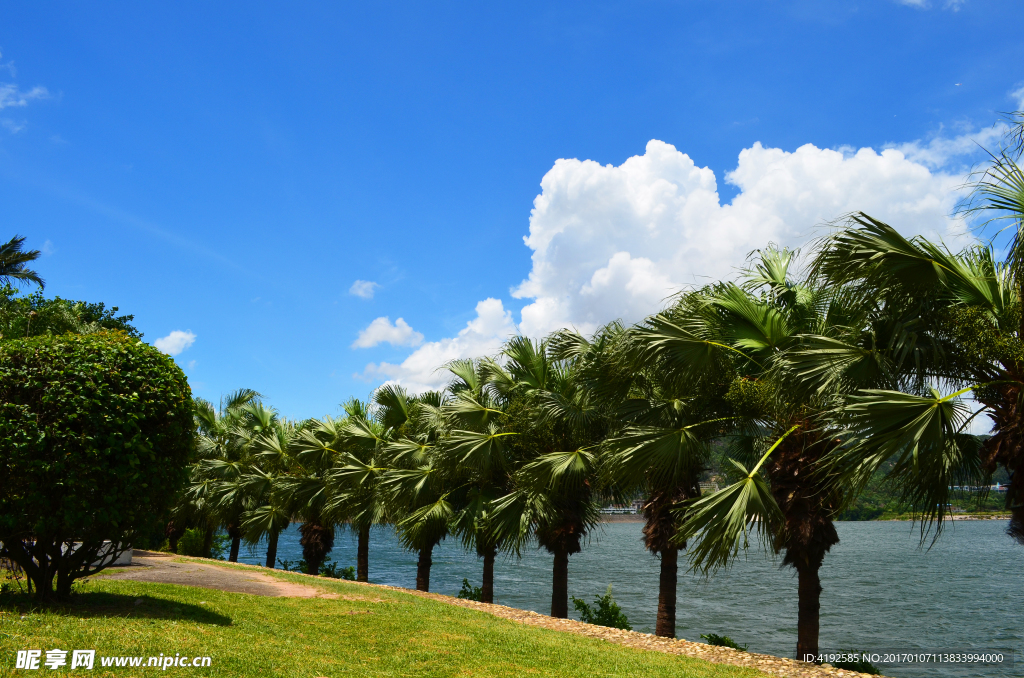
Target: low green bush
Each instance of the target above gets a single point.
(470, 592)
(191, 544)
(604, 612)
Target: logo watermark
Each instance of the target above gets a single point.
(32, 660)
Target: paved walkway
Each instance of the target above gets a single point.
(167, 568)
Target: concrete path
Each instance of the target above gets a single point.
(149, 566)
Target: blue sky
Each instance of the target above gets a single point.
(230, 172)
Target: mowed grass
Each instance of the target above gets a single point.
(366, 632)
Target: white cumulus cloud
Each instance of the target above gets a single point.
(483, 335)
(614, 242)
(363, 289)
(175, 342)
(381, 330)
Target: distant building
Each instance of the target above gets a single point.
(708, 487)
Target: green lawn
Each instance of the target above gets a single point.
(373, 633)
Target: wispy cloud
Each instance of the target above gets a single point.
(48, 248)
(363, 289)
(940, 150)
(1018, 97)
(175, 342)
(952, 5)
(12, 96)
(381, 330)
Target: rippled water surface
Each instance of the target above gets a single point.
(881, 592)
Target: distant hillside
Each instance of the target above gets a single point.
(879, 501)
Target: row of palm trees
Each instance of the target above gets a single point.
(807, 376)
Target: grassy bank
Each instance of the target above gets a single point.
(365, 632)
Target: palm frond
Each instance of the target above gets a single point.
(925, 438)
(725, 520)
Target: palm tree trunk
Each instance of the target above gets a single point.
(423, 569)
(173, 533)
(560, 585)
(808, 610)
(666, 624)
(363, 555)
(272, 549)
(207, 542)
(487, 588)
(317, 541)
(235, 533)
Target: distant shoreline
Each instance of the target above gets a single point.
(622, 517)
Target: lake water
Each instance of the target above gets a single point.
(881, 591)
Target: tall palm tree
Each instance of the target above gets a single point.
(13, 260)
(764, 337)
(418, 489)
(357, 497)
(269, 441)
(310, 488)
(269, 514)
(216, 442)
(242, 482)
(963, 319)
(659, 444)
(476, 459)
(555, 490)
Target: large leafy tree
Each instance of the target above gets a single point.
(35, 315)
(95, 435)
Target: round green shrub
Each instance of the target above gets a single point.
(95, 434)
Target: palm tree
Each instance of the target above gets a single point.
(13, 262)
(270, 461)
(418, 489)
(357, 497)
(475, 457)
(659, 446)
(223, 449)
(216, 442)
(760, 344)
(554, 496)
(309, 489)
(962, 314)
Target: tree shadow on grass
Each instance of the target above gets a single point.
(113, 605)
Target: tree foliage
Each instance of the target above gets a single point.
(34, 315)
(95, 434)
